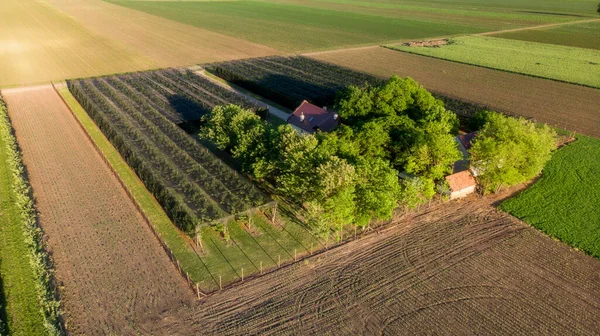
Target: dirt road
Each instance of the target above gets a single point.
(111, 270)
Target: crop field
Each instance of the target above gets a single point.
(111, 270)
(43, 41)
(39, 43)
(573, 65)
(303, 25)
(582, 35)
(290, 80)
(20, 309)
(567, 106)
(563, 202)
(455, 269)
(254, 244)
(138, 116)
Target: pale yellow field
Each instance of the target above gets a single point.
(42, 41)
(166, 42)
(38, 43)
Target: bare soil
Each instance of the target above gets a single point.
(111, 270)
(460, 268)
(571, 107)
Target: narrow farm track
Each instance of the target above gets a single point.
(111, 270)
(461, 268)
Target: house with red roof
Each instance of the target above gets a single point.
(309, 118)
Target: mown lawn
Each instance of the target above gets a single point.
(573, 65)
(564, 202)
(583, 35)
(21, 310)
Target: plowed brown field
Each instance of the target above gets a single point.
(568, 106)
(461, 268)
(111, 270)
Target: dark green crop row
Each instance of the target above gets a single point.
(191, 184)
(290, 80)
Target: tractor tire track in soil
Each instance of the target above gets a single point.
(568, 106)
(459, 268)
(111, 271)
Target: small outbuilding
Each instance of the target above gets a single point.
(309, 118)
(461, 184)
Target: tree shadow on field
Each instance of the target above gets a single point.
(190, 112)
(3, 314)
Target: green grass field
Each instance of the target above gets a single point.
(218, 258)
(564, 202)
(305, 25)
(583, 35)
(20, 307)
(573, 65)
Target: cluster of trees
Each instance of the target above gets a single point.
(349, 176)
(509, 151)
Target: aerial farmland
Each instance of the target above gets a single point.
(299, 167)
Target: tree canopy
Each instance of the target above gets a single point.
(348, 176)
(509, 150)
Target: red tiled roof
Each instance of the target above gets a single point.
(466, 139)
(314, 117)
(461, 180)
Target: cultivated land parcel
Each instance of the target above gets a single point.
(568, 64)
(462, 267)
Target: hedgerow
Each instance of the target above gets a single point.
(33, 234)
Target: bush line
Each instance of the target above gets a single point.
(39, 258)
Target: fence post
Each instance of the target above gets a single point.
(295, 255)
(198, 291)
(311, 247)
(220, 283)
(279, 260)
(242, 274)
(261, 267)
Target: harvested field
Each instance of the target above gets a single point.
(459, 268)
(582, 35)
(567, 106)
(40, 43)
(167, 43)
(111, 270)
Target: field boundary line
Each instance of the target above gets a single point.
(390, 47)
(170, 254)
(550, 25)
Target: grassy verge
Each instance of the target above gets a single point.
(563, 203)
(566, 64)
(27, 296)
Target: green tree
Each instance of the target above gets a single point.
(416, 191)
(332, 206)
(509, 151)
(377, 190)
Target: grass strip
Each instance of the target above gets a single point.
(28, 293)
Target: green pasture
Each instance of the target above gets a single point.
(581, 35)
(563, 203)
(572, 65)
